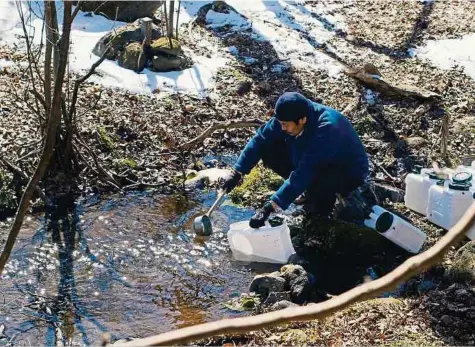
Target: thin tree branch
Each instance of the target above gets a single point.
(402, 273)
(76, 10)
(233, 124)
(79, 81)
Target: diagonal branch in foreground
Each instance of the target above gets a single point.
(408, 269)
(233, 124)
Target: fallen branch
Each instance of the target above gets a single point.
(233, 124)
(408, 269)
(373, 79)
(377, 82)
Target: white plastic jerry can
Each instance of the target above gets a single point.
(449, 202)
(267, 244)
(396, 229)
(417, 189)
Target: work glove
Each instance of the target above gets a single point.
(232, 181)
(261, 215)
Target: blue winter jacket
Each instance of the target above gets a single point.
(328, 138)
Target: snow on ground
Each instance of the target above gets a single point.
(289, 26)
(87, 30)
(5, 63)
(450, 53)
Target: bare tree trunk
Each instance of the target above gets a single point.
(54, 121)
(177, 18)
(170, 23)
(48, 54)
(55, 31)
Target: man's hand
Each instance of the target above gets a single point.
(232, 181)
(260, 217)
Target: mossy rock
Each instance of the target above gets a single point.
(119, 38)
(133, 57)
(165, 63)
(256, 187)
(462, 269)
(162, 45)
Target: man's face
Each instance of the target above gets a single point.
(292, 128)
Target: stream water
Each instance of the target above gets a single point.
(128, 265)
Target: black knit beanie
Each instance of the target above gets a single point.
(292, 106)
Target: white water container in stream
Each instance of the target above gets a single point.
(417, 189)
(449, 202)
(396, 229)
(266, 245)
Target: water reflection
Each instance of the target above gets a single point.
(129, 265)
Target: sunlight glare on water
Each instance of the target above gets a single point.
(127, 265)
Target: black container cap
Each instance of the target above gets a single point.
(462, 177)
(384, 222)
(438, 175)
(459, 186)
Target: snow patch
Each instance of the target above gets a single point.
(233, 19)
(5, 63)
(291, 27)
(449, 53)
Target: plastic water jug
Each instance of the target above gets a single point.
(396, 229)
(416, 196)
(267, 244)
(448, 202)
(469, 169)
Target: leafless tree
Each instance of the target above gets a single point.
(54, 105)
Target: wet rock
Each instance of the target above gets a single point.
(206, 177)
(298, 282)
(276, 297)
(164, 63)
(120, 38)
(126, 11)
(132, 57)
(280, 305)
(267, 283)
(162, 46)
